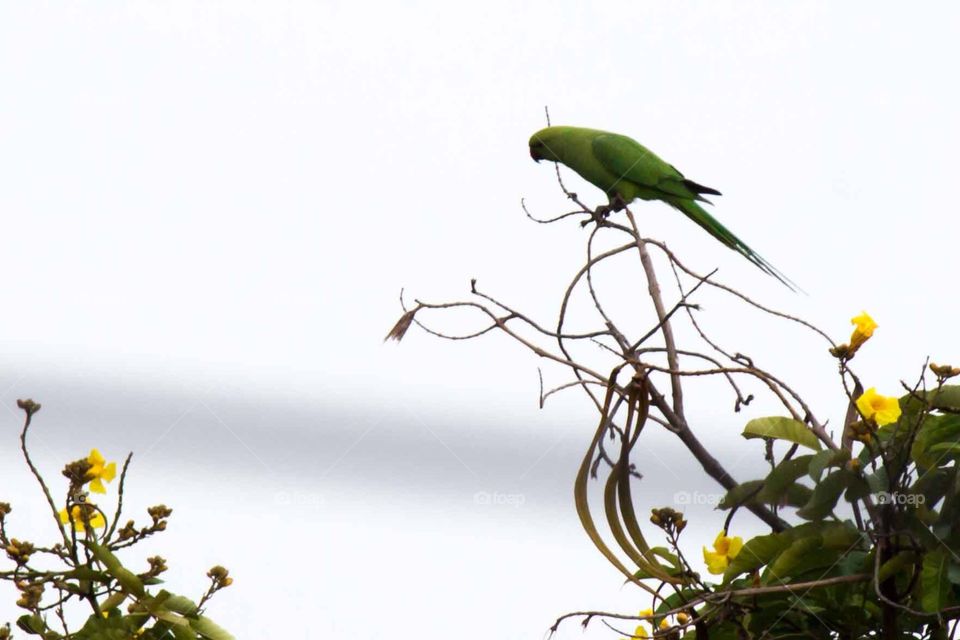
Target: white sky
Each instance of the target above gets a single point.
(232, 194)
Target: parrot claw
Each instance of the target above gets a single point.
(599, 215)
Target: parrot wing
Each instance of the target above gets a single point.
(629, 160)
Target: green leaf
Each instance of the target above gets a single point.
(769, 612)
(127, 579)
(208, 629)
(180, 604)
(113, 627)
(113, 600)
(945, 449)
(740, 493)
(949, 518)
(852, 562)
(934, 430)
(793, 555)
(878, 481)
(825, 495)
(947, 397)
(779, 480)
(824, 459)
(838, 535)
(32, 624)
(664, 553)
(857, 489)
(782, 429)
(756, 553)
(934, 581)
(896, 565)
(86, 573)
(183, 633)
(933, 485)
(172, 620)
(796, 495)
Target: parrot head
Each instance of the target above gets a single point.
(540, 146)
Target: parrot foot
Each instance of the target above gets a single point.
(601, 213)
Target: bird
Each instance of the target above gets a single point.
(626, 170)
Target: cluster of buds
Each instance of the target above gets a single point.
(159, 515)
(128, 531)
(29, 406)
(157, 566)
(30, 594)
(944, 371)
(863, 431)
(77, 473)
(220, 578)
(670, 520)
(19, 552)
(841, 352)
(5, 508)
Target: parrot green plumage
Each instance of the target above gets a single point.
(626, 170)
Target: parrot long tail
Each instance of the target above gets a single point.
(712, 226)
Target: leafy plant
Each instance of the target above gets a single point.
(84, 569)
(864, 527)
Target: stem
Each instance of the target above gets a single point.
(43, 485)
(653, 287)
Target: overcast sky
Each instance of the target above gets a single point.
(210, 210)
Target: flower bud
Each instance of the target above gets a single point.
(29, 406)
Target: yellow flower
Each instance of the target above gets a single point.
(881, 409)
(724, 549)
(863, 328)
(100, 471)
(683, 618)
(641, 631)
(665, 624)
(95, 519)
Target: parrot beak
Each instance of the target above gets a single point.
(539, 150)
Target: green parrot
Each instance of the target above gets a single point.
(626, 170)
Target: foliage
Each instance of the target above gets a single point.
(83, 571)
(864, 530)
